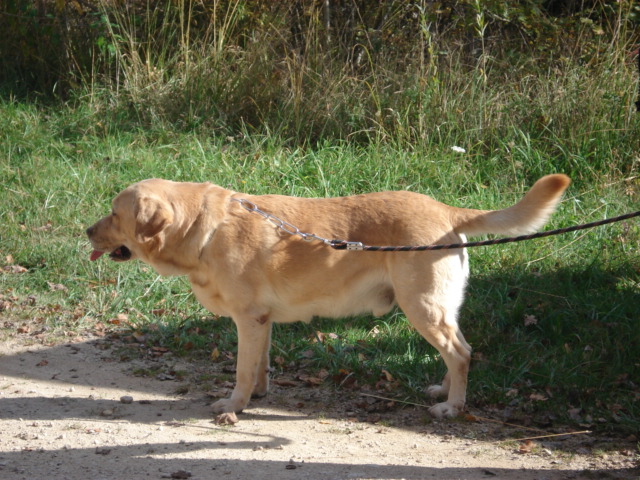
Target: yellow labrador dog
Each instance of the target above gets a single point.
(243, 266)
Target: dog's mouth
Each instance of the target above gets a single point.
(120, 254)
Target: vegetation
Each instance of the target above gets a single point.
(263, 97)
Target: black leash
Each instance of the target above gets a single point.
(344, 245)
(638, 102)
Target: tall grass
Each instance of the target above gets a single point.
(237, 74)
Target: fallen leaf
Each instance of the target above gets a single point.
(44, 228)
(470, 418)
(387, 375)
(530, 320)
(537, 397)
(307, 354)
(228, 418)
(526, 447)
(283, 382)
(56, 287)
(14, 269)
(139, 337)
(312, 381)
(42, 363)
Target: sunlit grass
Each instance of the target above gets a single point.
(60, 167)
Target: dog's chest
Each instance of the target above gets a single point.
(210, 297)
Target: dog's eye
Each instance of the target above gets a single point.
(113, 214)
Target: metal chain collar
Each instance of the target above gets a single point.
(292, 229)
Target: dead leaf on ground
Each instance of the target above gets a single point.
(283, 382)
(228, 418)
(57, 287)
(308, 354)
(387, 375)
(537, 397)
(470, 418)
(119, 319)
(311, 380)
(139, 337)
(24, 329)
(14, 269)
(530, 320)
(44, 228)
(321, 336)
(526, 447)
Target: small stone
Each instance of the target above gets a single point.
(181, 474)
(126, 399)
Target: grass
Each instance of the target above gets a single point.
(580, 291)
(553, 322)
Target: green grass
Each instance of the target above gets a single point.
(61, 165)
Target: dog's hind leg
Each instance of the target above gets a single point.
(429, 321)
(432, 308)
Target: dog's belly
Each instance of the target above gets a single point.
(377, 299)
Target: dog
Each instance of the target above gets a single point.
(246, 267)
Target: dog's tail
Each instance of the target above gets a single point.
(526, 216)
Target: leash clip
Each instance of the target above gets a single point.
(355, 246)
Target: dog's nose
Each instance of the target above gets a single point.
(90, 230)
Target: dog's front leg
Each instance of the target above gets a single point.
(261, 386)
(254, 335)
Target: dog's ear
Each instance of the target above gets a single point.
(152, 216)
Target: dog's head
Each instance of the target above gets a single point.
(136, 227)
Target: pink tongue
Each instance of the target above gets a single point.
(96, 254)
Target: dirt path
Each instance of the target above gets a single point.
(62, 416)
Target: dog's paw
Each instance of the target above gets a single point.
(259, 393)
(436, 391)
(444, 410)
(261, 388)
(227, 405)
